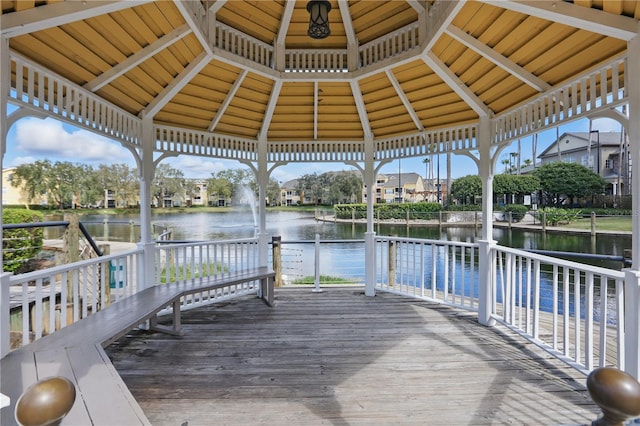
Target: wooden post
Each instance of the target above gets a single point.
(393, 255)
(71, 248)
(544, 221)
(276, 254)
(510, 218)
(132, 233)
(105, 230)
(106, 266)
(408, 214)
(593, 224)
(439, 218)
(475, 219)
(353, 215)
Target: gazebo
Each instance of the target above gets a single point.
(363, 82)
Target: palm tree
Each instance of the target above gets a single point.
(506, 165)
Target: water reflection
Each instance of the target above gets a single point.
(295, 226)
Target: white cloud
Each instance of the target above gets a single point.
(22, 160)
(200, 167)
(49, 139)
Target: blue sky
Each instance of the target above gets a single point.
(32, 139)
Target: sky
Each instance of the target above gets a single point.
(31, 139)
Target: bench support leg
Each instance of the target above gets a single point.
(266, 290)
(175, 329)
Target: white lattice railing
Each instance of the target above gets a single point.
(599, 89)
(316, 151)
(397, 42)
(42, 302)
(325, 60)
(572, 309)
(458, 138)
(238, 43)
(41, 89)
(180, 262)
(193, 142)
(442, 271)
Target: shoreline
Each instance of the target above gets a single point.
(497, 224)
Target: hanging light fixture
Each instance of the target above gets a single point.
(318, 18)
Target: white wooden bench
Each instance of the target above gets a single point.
(76, 351)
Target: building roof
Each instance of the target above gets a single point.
(245, 72)
(580, 140)
(405, 179)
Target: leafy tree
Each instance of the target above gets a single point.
(563, 182)
(61, 182)
(122, 180)
(344, 187)
(467, 188)
(515, 184)
(167, 183)
(313, 185)
(273, 191)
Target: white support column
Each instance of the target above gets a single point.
(632, 275)
(5, 83)
(485, 263)
(370, 235)
(262, 177)
(146, 269)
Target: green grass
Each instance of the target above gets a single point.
(324, 279)
(612, 223)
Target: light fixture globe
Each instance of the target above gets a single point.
(318, 19)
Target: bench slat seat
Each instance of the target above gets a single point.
(76, 351)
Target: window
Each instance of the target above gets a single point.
(609, 164)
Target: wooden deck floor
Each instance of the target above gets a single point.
(341, 358)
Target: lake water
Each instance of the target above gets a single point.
(338, 259)
(296, 226)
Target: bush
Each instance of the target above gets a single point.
(20, 245)
(517, 211)
(388, 211)
(555, 215)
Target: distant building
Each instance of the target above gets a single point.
(289, 195)
(198, 195)
(12, 195)
(602, 152)
(398, 188)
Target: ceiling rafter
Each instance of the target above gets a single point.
(228, 99)
(315, 110)
(177, 84)
(194, 24)
(418, 5)
(457, 85)
(352, 40)
(137, 58)
(403, 98)
(362, 109)
(440, 15)
(271, 107)
(497, 58)
(56, 14)
(216, 6)
(284, 22)
(585, 18)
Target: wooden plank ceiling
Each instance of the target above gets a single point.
(133, 54)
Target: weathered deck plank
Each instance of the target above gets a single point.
(339, 357)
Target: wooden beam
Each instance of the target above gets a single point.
(228, 99)
(56, 14)
(403, 98)
(457, 85)
(588, 19)
(362, 109)
(268, 115)
(177, 84)
(137, 58)
(495, 57)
